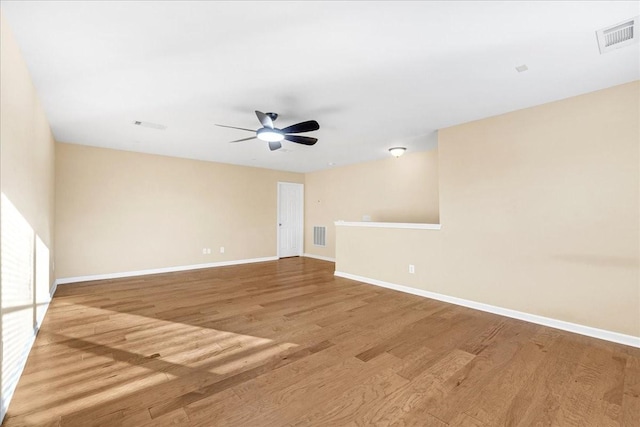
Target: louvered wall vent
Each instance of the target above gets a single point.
(319, 236)
(617, 36)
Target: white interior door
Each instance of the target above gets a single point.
(290, 219)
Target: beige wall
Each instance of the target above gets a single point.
(121, 211)
(27, 145)
(26, 210)
(539, 211)
(390, 190)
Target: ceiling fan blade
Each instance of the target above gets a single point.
(243, 139)
(274, 145)
(233, 127)
(307, 126)
(264, 119)
(306, 140)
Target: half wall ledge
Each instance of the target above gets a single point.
(410, 225)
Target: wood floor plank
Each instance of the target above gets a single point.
(594, 396)
(631, 393)
(465, 386)
(409, 403)
(491, 406)
(465, 420)
(288, 343)
(358, 403)
(214, 410)
(315, 388)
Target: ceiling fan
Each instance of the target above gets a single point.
(274, 136)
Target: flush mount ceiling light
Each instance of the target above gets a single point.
(397, 151)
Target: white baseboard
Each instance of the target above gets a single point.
(323, 258)
(66, 280)
(12, 382)
(55, 288)
(533, 318)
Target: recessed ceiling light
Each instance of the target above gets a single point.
(522, 68)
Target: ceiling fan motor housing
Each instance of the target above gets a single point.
(272, 116)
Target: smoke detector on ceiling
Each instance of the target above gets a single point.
(619, 35)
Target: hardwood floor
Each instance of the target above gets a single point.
(286, 343)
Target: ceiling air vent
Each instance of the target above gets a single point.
(617, 36)
(149, 125)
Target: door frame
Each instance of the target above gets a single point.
(301, 241)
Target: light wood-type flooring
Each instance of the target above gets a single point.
(285, 343)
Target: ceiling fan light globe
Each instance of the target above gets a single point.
(270, 135)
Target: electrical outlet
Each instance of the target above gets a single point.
(412, 268)
(221, 249)
(208, 250)
(204, 251)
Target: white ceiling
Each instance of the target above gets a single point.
(373, 74)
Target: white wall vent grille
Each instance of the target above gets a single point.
(149, 125)
(320, 235)
(617, 36)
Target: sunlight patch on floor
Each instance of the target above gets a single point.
(135, 352)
